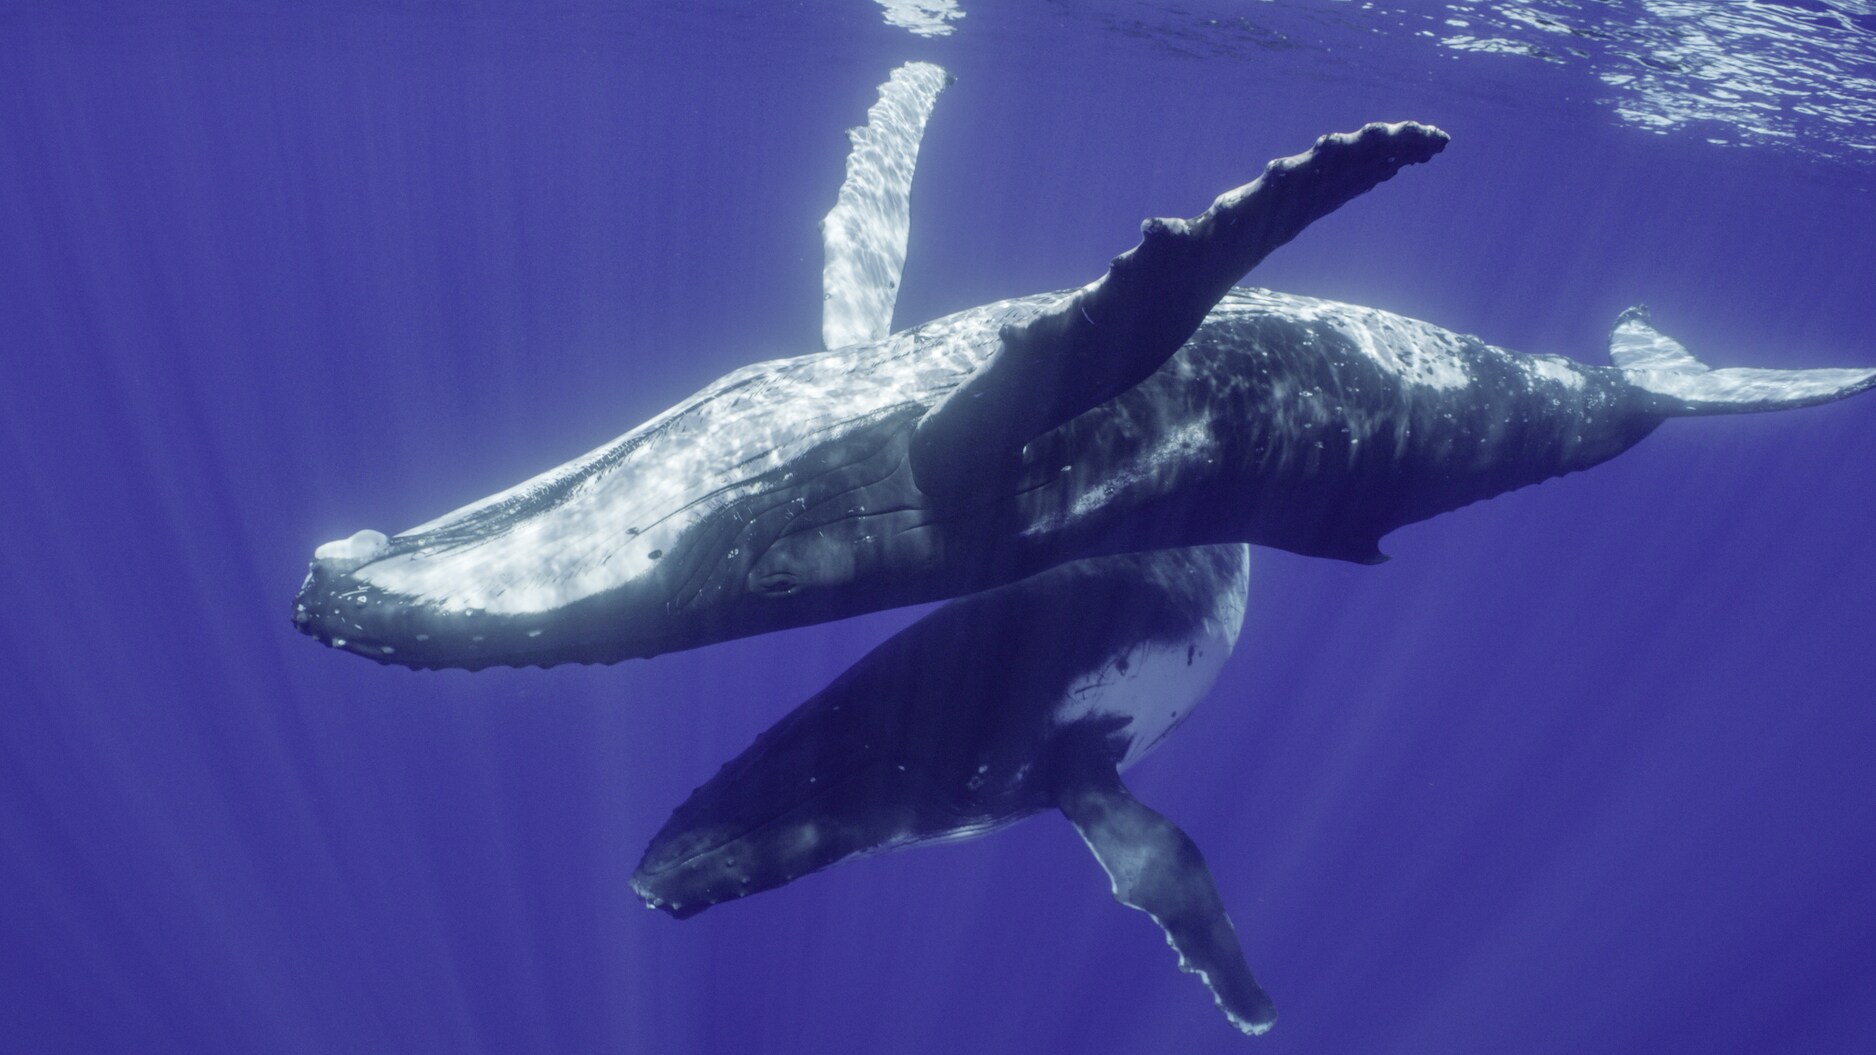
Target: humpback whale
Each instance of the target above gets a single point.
(1081, 472)
(1157, 407)
(1074, 675)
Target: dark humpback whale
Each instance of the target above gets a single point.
(1072, 676)
(1093, 461)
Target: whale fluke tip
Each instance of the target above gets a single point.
(1635, 313)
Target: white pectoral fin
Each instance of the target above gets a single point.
(1157, 869)
(865, 234)
(1658, 364)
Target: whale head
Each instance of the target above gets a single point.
(427, 600)
(745, 509)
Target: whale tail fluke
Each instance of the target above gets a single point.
(1684, 386)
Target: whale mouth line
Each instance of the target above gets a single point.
(821, 791)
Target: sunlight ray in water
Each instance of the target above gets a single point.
(1582, 769)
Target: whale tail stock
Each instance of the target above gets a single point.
(1684, 386)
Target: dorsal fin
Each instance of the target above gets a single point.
(1110, 335)
(864, 235)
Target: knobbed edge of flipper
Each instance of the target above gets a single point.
(1112, 334)
(1155, 867)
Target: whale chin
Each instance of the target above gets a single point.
(348, 612)
(341, 605)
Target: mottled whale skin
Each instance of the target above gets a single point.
(781, 495)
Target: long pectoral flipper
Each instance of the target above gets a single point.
(1109, 336)
(1157, 869)
(864, 236)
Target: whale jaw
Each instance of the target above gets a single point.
(340, 605)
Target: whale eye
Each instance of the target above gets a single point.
(774, 583)
(801, 562)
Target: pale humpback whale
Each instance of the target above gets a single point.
(1051, 451)
(992, 444)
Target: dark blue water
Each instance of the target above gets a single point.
(1585, 768)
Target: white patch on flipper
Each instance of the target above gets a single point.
(926, 18)
(864, 236)
(1122, 867)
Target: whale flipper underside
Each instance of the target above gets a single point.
(864, 235)
(1108, 336)
(1683, 385)
(1157, 869)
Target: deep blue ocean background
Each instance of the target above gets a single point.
(1587, 768)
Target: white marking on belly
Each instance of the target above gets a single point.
(1162, 681)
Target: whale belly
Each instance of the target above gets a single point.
(1150, 687)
